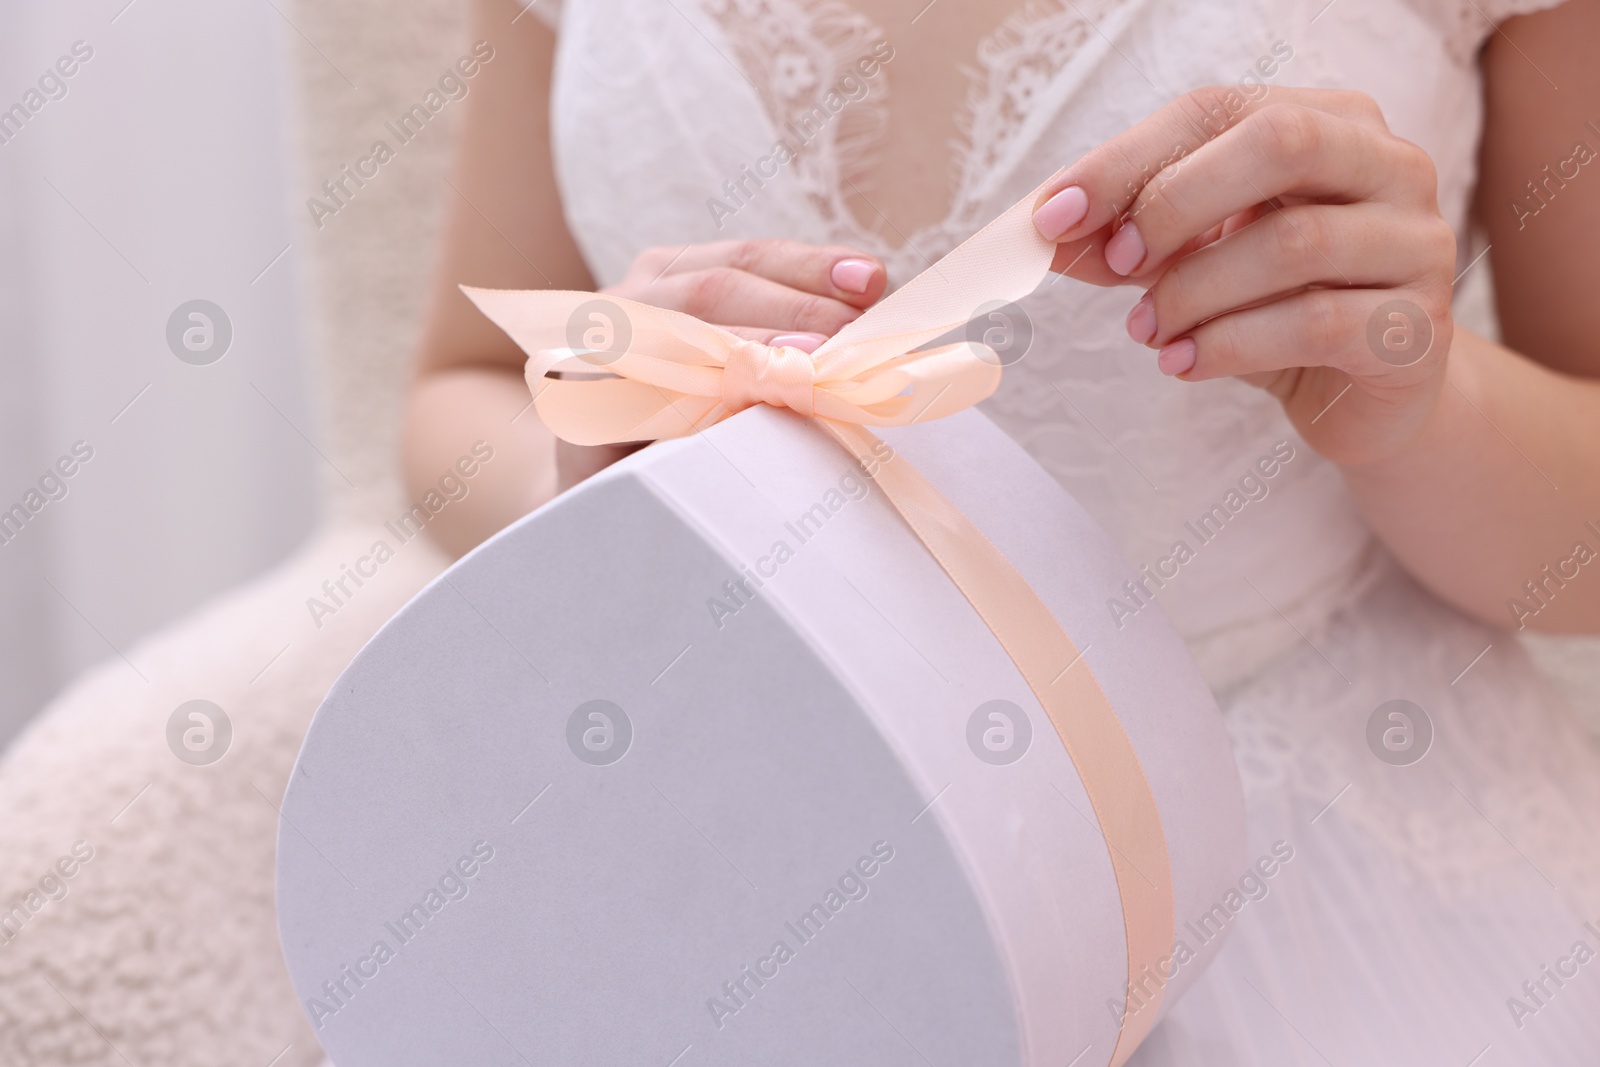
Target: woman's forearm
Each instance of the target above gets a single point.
(455, 418)
(1495, 505)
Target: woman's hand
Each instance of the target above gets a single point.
(1291, 241)
(773, 291)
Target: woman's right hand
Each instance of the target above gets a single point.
(774, 291)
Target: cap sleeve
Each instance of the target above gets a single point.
(1467, 24)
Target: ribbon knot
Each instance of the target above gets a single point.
(761, 374)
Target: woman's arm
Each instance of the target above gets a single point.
(1544, 248)
(1292, 241)
(504, 229)
(1497, 490)
(1504, 479)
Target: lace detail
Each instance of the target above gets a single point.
(785, 48)
(1012, 88)
(795, 54)
(1497, 799)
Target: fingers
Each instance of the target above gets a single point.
(1085, 259)
(1095, 191)
(792, 290)
(1281, 152)
(1210, 158)
(727, 295)
(575, 463)
(1378, 335)
(1286, 250)
(806, 342)
(841, 274)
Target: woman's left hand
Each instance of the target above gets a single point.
(1290, 240)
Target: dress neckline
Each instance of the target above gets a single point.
(1019, 77)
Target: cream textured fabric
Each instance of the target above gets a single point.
(167, 940)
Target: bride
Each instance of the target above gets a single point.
(1275, 222)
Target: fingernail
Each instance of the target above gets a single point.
(805, 342)
(1061, 212)
(1125, 251)
(1177, 357)
(854, 275)
(1142, 320)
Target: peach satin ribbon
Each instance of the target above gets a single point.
(678, 375)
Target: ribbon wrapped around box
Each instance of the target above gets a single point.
(783, 741)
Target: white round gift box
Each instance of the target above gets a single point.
(707, 762)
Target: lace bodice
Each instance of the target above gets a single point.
(638, 87)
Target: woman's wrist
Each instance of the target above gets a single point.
(1440, 429)
(1500, 479)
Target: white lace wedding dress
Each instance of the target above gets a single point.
(1420, 898)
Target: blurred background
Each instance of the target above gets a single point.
(200, 395)
(153, 176)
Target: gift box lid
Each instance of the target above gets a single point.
(708, 759)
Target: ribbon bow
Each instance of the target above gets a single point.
(675, 375)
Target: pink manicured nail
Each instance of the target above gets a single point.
(805, 342)
(1125, 251)
(1061, 212)
(1177, 357)
(854, 275)
(1142, 320)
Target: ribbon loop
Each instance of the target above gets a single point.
(761, 374)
